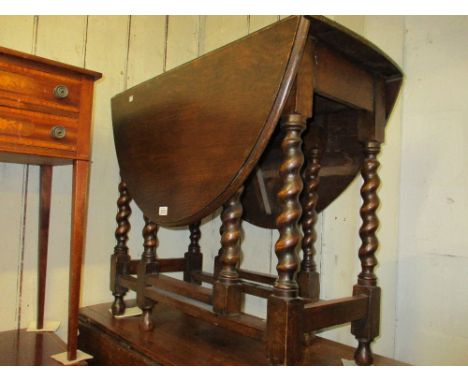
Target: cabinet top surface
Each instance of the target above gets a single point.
(45, 62)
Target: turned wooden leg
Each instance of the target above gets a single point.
(146, 266)
(193, 257)
(308, 277)
(120, 258)
(284, 312)
(367, 329)
(227, 297)
(43, 241)
(78, 230)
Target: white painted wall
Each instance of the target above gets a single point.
(432, 326)
(422, 275)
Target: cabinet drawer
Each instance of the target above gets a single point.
(32, 129)
(26, 88)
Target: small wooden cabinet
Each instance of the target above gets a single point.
(45, 120)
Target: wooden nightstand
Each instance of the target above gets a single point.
(45, 120)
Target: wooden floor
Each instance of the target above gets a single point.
(179, 339)
(22, 348)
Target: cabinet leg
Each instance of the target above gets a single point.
(78, 229)
(43, 240)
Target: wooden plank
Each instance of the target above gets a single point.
(171, 265)
(164, 265)
(62, 38)
(129, 282)
(179, 339)
(323, 314)
(257, 290)
(22, 348)
(254, 290)
(257, 277)
(146, 48)
(256, 22)
(204, 277)
(182, 40)
(338, 78)
(243, 324)
(220, 30)
(179, 287)
(17, 32)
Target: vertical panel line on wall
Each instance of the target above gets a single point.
(201, 35)
(85, 41)
(166, 34)
(129, 37)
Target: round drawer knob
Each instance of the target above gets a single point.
(61, 91)
(58, 132)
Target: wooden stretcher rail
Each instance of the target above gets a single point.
(257, 277)
(262, 291)
(323, 314)
(172, 285)
(256, 290)
(128, 282)
(243, 324)
(246, 275)
(163, 265)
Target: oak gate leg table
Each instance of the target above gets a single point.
(254, 127)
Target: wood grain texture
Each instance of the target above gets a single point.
(22, 348)
(251, 125)
(179, 339)
(78, 235)
(43, 239)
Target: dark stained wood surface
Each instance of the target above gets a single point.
(179, 339)
(22, 348)
(200, 128)
(219, 111)
(43, 239)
